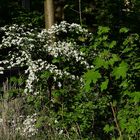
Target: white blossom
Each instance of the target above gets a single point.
(26, 43)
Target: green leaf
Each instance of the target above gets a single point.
(14, 79)
(96, 76)
(91, 76)
(87, 85)
(103, 30)
(114, 59)
(83, 49)
(20, 80)
(108, 128)
(45, 75)
(55, 60)
(104, 85)
(124, 84)
(120, 71)
(99, 62)
(112, 44)
(105, 37)
(136, 96)
(127, 49)
(124, 30)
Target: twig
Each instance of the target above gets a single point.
(115, 119)
(80, 12)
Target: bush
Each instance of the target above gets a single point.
(80, 85)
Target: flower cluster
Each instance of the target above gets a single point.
(34, 50)
(66, 27)
(28, 128)
(23, 125)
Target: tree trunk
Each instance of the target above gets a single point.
(49, 13)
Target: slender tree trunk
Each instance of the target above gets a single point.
(80, 13)
(49, 13)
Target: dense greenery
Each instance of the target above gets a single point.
(94, 13)
(68, 82)
(12, 11)
(79, 85)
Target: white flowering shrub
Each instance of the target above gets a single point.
(52, 63)
(43, 51)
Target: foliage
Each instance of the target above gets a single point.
(114, 14)
(116, 76)
(79, 85)
(12, 12)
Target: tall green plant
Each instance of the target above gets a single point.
(115, 76)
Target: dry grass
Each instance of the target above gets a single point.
(10, 110)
